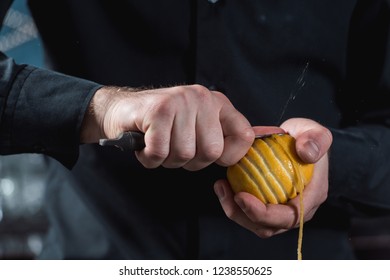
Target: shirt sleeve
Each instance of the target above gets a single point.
(360, 153)
(41, 111)
(359, 168)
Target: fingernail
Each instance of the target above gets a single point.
(312, 151)
(218, 189)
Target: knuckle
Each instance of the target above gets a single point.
(183, 152)
(149, 165)
(157, 155)
(163, 110)
(202, 93)
(184, 155)
(200, 89)
(248, 135)
(211, 153)
(231, 213)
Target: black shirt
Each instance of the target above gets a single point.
(327, 61)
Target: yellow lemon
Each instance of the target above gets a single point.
(271, 170)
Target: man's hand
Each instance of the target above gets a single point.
(265, 220)
(184, 126)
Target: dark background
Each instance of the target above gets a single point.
(23, 223)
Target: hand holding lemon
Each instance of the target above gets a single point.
(274, 174)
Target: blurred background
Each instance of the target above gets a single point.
(23, 223)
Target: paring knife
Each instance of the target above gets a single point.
(134, 141)
(126, 141)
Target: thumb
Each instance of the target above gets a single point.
(313, 144)
(312, 139)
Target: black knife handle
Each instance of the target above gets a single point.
(126, 141)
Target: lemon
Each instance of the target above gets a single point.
(271, 170)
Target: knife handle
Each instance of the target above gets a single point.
(126, 141)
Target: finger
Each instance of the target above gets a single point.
(183, 138)
(313, 144)
(156, 148)
(238, 133)
(312, 139)
(316, 192)
(157, 126)
(209, 134)
(229, 206)
(239, 215)
(266, 130)
(226, 198)
(276, 216)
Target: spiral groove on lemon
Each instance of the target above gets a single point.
(271, 170)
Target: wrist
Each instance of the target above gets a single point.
(92, 128)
